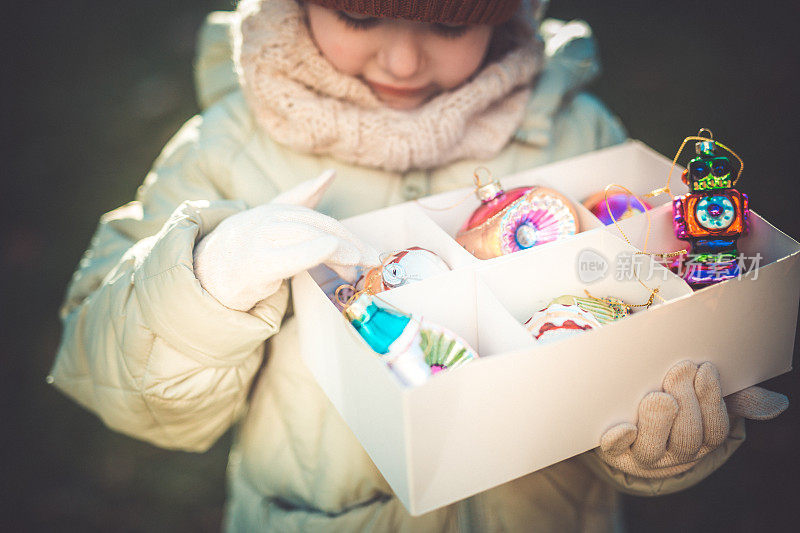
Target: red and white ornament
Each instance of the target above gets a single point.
(401, 268)
(558, 321)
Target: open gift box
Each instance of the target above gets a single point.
(524, 405)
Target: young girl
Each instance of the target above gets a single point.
(182, 293)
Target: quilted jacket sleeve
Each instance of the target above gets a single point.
(144, 346)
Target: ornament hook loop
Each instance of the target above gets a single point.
(348, 292)
(710, 134)
(489, 190)
(476, 175)
(705, 146)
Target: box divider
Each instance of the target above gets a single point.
(498, 331)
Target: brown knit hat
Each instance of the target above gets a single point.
(443, 11)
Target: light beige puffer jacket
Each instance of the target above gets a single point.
(156, 357)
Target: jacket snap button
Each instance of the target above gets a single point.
(412, 191)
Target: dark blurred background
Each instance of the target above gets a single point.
(94, 90)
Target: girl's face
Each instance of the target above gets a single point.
(405, 63)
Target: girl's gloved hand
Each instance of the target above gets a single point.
(245, 258)
(680, 425)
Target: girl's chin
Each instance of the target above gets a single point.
(404, 103)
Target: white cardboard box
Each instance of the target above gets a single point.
(523, 405)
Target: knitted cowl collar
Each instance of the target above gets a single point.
(303, 102)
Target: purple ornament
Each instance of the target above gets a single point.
(622, 205)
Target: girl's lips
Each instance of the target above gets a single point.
(398, 91)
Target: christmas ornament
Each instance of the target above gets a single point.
(401, 268)
(444, 349)
(508, 221)
(605, 310)
(711, 216)
(620, 205)
(569, 315)
(558, 321)
(413, 349)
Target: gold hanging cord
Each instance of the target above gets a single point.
(654, 293)
(698, 137)
(649, 223)
(646, 305)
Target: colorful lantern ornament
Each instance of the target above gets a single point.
(521, 218)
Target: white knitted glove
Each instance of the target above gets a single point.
(682, 424)
(249, 254)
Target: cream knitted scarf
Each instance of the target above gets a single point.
(303, 102)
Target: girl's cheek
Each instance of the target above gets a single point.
(346, 49)
(457, 61)
(346, 54)
(343, 51)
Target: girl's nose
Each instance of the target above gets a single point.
(401, 56)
